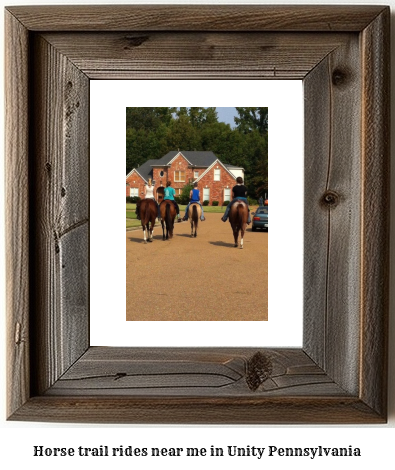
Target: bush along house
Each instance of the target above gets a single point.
(215, 179)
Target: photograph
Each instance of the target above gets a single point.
(205, 194)
(174, 346)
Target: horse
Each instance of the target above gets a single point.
(194, 213)
(238, 217)
(168, 214)
(148, 214)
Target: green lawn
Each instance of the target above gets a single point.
(131, 220)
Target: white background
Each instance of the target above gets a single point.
(17, 439)
(285, 101)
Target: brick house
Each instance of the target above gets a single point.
(215, 179)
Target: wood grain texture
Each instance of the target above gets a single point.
(60, 247)
(196, 17)
(339, 376)
(195, 55)
(17, 213)
(202, 410)
(376, 211)
(333, 214)
(193, 372)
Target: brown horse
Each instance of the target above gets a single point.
(168, 214)
(148, 214)
(194, 213)
(238, 217)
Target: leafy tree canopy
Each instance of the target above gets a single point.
(152, 132)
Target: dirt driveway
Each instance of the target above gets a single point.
(202, 278)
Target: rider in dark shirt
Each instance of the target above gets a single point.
(239, 192)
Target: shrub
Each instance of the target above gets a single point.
(215, 203)
(225, 203)
(132, 199)
(182, 199)
(252, 202)
(206, 203)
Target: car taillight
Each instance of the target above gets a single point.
(257, 218)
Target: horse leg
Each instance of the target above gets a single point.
(152, 233)
(242, 238)
(163, 229)
(191, 227)
(145, 237)
(236, 236)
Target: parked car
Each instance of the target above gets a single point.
(260, 219)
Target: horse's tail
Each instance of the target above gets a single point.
(240, 215)
(195, 215)
(169, 222)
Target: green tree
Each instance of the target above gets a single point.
(148, 118)
(182, 135)
(251, 119)
(200, 117)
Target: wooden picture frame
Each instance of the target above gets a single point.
(340, 374)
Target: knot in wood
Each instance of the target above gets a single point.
(330, 198)
(259, 369)
(339, 77)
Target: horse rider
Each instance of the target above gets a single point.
(169, 194)
(148, 194)
(239, 193)
(194, 196)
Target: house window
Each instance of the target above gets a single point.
(217, 174)
(206, 194)
(134, 192)
(178, 191)
(195, 174)
(179, 176)
(161, 173)
(227, 196)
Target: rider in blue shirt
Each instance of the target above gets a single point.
(169, 194)
(194, 196)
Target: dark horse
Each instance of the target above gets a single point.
(148, 214)
(194, 213)
(168, 214)
(238, 217)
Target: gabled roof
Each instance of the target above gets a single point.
(198, 159)
(229, 167)
(144, 170)
(216, 162)
(194, 158)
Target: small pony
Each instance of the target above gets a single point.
(168, 214)
(148, 214)
(194, 214)
(238, 217)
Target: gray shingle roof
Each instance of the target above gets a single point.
(145, 170)
(196, 158)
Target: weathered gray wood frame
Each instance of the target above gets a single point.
(340, 374)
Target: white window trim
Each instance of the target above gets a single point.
(230, 194)
(217, 174)
(179, 180)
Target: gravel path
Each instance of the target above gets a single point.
(202, 278)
